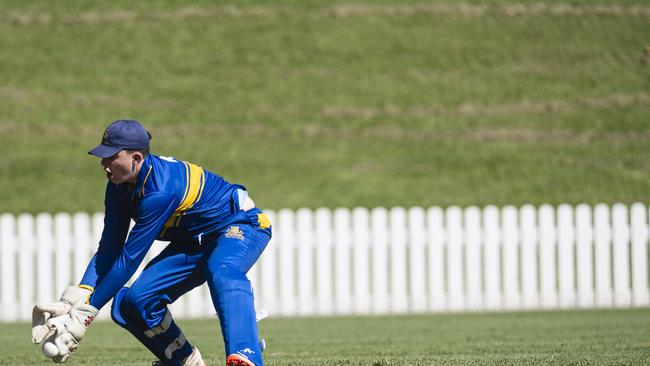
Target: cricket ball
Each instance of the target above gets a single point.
(50, 349)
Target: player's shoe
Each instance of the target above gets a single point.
(238, 360)
(194, 359)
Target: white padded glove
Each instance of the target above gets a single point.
(69, 330)
(72, 296)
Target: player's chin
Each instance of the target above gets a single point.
(115, 179)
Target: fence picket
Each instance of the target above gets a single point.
(62, 255)
(81, 243)
(565, 240)
(602, 253)
(529, 289)
(436, 245)
(379, 222)
(455, 288)
(342, 270)
(472, 224)
(324, 247)
(510, 257)
(361, 268)
(26, 240)
(305, 262)
(621, 252)
(44, 250)
(584, 267)
(416, 260)
(492, 250)
(97, 229)
(398, 260)
(8, 252)
(547, 266)
(639, 227)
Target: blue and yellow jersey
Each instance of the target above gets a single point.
(171, 200)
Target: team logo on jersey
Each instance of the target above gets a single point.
(235, 233)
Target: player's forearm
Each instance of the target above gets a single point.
(123, 267)
(114, 280)
(99, 265)
(91, 276)
(153, 213)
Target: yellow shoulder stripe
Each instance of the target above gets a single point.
(263, 220)
(193, 188)
(194, 183)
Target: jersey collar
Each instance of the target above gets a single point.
(143, 176)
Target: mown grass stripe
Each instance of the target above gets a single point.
(466, 109)
(339, 11)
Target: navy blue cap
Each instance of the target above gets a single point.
(121, 135)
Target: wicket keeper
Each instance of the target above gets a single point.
(216, 234)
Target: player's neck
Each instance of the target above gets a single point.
(133, 179)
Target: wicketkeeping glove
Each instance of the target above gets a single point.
(69, 330)
(72, 296)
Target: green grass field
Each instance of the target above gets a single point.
(605, 337)
(319, 103)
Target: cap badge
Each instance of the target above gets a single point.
(105, 136)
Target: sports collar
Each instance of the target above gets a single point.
(143, 176)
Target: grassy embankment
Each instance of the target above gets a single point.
(333, 104)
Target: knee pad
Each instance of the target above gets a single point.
(226, 278)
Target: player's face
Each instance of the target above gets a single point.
(120, 168)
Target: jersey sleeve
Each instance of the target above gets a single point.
(116, 227)
(153, 212)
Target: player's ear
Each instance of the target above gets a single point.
(137, 157)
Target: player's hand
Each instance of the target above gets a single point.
(41, 313)
(69, 330)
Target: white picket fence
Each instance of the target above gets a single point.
(379, 261)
